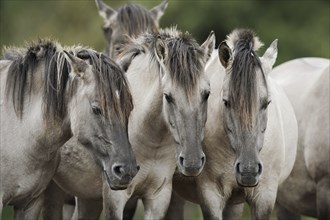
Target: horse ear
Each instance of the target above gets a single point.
(77, 65)
(161, 50)
(105, 11)
(225, 54)
(158, 11)
(271, 53)
(161, 53)
(208, 45)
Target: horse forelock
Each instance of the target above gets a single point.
(185, 59)
(112, 87)
(111, 83)
(135, 20)
(185, 62)
(243, 84)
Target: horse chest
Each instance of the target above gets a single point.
(152, 178)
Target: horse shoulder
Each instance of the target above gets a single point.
(75, 160)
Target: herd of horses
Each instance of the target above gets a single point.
(161, 118)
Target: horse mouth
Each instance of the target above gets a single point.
(247, 180)
(114, 185)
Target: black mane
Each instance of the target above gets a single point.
(243, 82)
(49, 56)
(185, 61)
(135, 20)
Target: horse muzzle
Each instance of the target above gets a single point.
(248, 176)
(190, 167)
(121, 176)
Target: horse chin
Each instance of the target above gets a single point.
(113, 184)
(247, 181)
(190, 172)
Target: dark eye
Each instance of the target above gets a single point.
(168, 98)
(206, 95)
(117, 47)
(265, 105)
(96, 110)
(226, 103)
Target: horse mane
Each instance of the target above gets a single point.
(185, 60)
(135, 20)
(243, 92)
(50, 57)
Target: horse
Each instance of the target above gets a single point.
(166, 127)
(306, 191)
(250, 142)
(130, 20)
(50, 93)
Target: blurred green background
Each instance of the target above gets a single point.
(302, 27)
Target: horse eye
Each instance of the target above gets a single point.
(117, 47)
(206, 95)
(264, 106)
(168, 98)
(226, 103)
(96, 110)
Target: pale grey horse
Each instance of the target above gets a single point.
(170, 92)
(307, 190)
(49, 94)
(130, 20)
(251, 133)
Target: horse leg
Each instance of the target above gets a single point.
(87, 209)
(155, 208)
(323, 198)
(210, 200)
(283, 214)
(30, 212)
(262, 203)
(53, 202)
(130, 208)
(114, 203)
(233, 212)
(176, 208)
(1, 207)
(68, 207)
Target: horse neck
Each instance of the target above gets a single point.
(147, 118)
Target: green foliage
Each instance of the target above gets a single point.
(302, 27)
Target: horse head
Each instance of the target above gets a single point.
(185, 89)
(129, 20)
(246, 98)
(99, 112)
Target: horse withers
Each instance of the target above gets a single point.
(49, 94)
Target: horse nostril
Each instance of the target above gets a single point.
(237, 168)
(138, 167)
(203, 160)
(181, 160)
(118, 170)
(259, 168)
